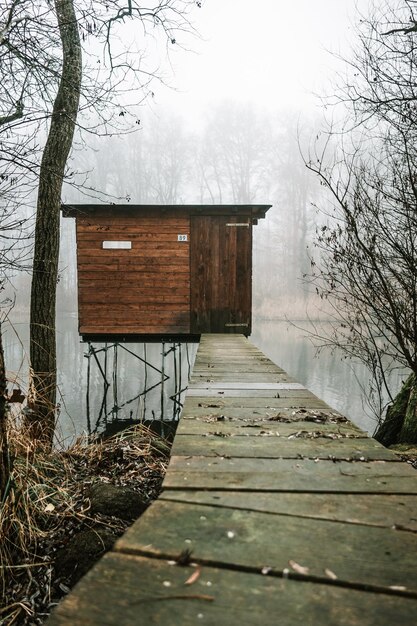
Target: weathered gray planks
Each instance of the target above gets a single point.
(293, 514)
(283, 391)
(270, 445)
(131, 590)
(253, 424)
(246, 386)
(290, 475)
(394, 511)
(288, 399)
(249, 539)
(215, 408)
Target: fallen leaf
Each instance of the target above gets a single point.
(194, 577)
(300, 569)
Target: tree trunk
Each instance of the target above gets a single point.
(4, 448)
(41, 420)
(408, 432)
(400, 423)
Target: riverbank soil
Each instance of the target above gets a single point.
(64, 510)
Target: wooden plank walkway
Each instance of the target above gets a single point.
(279, 510)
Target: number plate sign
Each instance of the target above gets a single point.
(182, 237)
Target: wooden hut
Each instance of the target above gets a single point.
(158, 271)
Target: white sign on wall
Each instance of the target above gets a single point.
(182, 237)
(117, 245)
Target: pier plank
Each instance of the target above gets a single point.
(290, 475)
(389, 511)
(253, 423)
(282, 391)
(126, 589)
(250, 374)
(249, 539)
(270, 445)
(290, 512)
(247, 386)
(284, 413)
(292, 400)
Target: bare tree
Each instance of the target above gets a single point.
(295, 189)
(4, 448)
(152, 166)
(45, 79)
(46, 253)
(368, 261)
(232, 160)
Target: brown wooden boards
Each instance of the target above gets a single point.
(134, 255)
(291, 514)
(221, 274)
(143, 289)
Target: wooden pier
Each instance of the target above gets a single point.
(276, 510)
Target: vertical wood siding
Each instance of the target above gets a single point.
(221, 274)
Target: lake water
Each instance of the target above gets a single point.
(341, 383)
(99, 386)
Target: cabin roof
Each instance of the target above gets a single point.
(256, 211)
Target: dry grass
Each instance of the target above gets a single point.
(46, 499)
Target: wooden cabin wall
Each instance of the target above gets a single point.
(144, 290)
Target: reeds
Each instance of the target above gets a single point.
(46, 496)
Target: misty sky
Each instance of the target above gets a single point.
(272, 52)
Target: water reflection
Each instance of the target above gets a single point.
(139, 383)
(102, 386)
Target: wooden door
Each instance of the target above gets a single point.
(221, 274)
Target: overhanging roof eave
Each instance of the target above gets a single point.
(78, 210)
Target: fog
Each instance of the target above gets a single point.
(231, 121)
(275, 54)
(232, 114)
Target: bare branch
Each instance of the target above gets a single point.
(16, 115)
